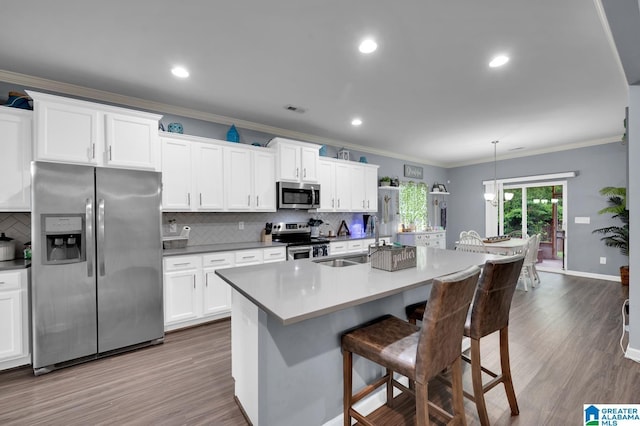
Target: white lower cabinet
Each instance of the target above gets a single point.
(14, 319)
(354, 246)
(435, 239)
(194, 294)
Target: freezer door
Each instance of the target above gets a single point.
(129, 258)
(63, 296)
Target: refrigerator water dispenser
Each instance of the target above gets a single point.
(63, 239)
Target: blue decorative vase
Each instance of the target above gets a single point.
(175, 128)
(233, 135)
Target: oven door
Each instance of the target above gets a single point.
(299, 252)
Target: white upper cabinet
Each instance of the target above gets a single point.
(347, 186)
(192, 175)
(295, 161)
(15, 137)
(176, 174)
(327, 181)
(131, 141)
(73, 131)
(249, 179)
(208, 177)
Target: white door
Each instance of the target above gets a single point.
(10, 324)
(358, 202)
(237, 177)
(343, 187)
(67, 133)
(289, 162)
(371, 188)
(208, 177)
(264, 178)
(327, 180)
(309, 160)
(131, 142)
(180, 296)
(176, 175)
(15, 175)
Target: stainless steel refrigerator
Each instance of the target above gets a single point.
(96, 265)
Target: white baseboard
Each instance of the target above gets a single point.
(633, 354)
(592, 275)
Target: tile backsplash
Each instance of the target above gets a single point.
(221, 228)
(18, 227)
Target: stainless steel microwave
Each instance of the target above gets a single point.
(301, 196)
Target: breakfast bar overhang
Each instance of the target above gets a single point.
(286, 323)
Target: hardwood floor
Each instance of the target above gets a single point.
(564, 352)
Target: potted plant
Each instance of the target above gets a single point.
(616, 236)
(385, 181)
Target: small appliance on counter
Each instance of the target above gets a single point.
(177, 241)
(7, 248)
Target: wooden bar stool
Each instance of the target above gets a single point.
(417, 353)
(489, 313)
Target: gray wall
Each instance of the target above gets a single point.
(596, 167)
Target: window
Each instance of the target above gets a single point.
(413, 205)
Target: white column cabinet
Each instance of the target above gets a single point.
(264, 178)
(14, 319)
(371, 188)
(15, 128)
(80, 132)
(343, 187)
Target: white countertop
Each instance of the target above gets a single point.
(298, 290)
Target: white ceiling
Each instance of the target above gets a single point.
(426, 94)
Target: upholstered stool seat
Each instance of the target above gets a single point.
(419, 353)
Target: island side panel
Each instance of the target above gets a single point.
(245, 353)
(300, 365)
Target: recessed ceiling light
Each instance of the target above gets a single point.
(356, 122)
(498, 61)
(180, 72)
(368, 45)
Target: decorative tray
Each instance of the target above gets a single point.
(496, 239)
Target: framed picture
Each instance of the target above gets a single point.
(442, 188)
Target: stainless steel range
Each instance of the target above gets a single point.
(300, 243)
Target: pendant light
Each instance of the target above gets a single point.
(491, 197)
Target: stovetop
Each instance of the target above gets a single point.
(295, 234)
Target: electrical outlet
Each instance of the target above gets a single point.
(603, 260)
(241, 225)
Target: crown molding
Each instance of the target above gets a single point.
(158, 107)
(133, 102)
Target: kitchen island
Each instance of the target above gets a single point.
(287, 319)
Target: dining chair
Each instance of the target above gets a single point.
(528, 271)
(473, 233)
(471, 243)
(420, 354)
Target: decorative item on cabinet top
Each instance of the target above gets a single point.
(233, 135)
(343, 154)
(175, 128)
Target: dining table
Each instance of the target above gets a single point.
(505, 247)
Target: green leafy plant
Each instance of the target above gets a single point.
(385, 179)
(615, 236)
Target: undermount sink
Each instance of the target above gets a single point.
(345, 261)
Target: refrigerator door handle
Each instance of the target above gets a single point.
(89, 235)
(101, 237)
